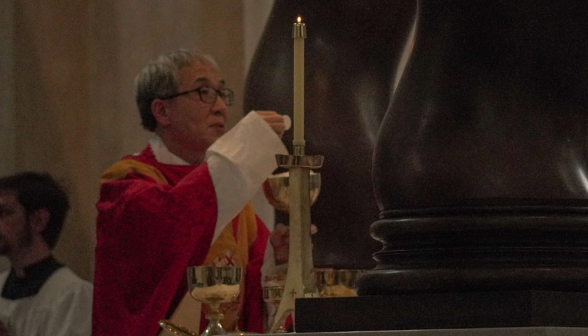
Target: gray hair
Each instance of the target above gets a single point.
(159, 79)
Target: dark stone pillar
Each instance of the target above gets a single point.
(480, 168)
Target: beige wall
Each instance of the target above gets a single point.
(67, 67)
(7, 132)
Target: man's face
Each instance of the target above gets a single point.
(195, 124)
(15, 231)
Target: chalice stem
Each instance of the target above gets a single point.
(214, 325)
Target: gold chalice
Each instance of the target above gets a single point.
(277, 190)
(273, 289)
(336, 282)
(214, 285)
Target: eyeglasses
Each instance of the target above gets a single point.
(209, 95)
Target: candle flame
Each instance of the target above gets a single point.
(299, 19)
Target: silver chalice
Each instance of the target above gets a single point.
(277, 190)
(214, 285)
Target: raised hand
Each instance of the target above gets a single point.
(275, 120)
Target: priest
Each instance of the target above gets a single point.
(183, 201)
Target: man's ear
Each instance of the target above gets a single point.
(39, 219)
(160, 112)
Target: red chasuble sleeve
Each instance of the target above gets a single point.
(147, 233)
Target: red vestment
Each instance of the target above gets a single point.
(148, 232)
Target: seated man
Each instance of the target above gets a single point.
(183, 201)
(40, 296)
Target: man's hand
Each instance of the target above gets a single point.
(280, 240)
(275, 120)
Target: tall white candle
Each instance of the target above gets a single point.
(299, 34)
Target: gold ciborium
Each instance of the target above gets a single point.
(277, 190)
(336, 282)
(214, 285)
(176, 329)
